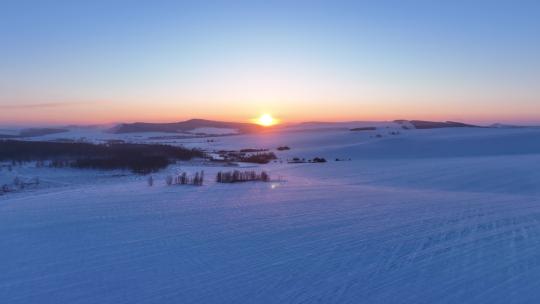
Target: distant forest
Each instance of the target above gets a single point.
(139, 158)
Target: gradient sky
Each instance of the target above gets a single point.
(122, 61)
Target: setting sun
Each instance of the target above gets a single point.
(266, 120)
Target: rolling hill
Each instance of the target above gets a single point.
(185, 126)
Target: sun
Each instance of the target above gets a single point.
(266, 120)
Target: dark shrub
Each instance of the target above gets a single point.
(260, 158)
(249, 150)
(364, 129)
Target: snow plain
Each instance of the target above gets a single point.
(425, 216)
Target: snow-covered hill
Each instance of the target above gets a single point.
(415, 216)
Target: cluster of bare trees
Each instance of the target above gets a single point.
(183, 178)
(197, 179)
(241, 176)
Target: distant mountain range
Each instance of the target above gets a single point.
(212, 127)
(424, 124)
(506, 126)
(189, 125)
(185, 126)
(364, 125)
(33, 132)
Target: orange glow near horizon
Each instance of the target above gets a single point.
(161, 111)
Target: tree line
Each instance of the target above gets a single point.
(241, 176)
(183, 178)
(139, 158)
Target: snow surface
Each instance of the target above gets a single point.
(214, 131)
(426, 216)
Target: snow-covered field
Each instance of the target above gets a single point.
(423, 216)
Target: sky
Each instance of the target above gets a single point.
(94, 62)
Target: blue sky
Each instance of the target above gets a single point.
(108, 61)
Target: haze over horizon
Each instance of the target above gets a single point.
(69, 62)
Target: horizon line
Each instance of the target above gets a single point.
(283, 123)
